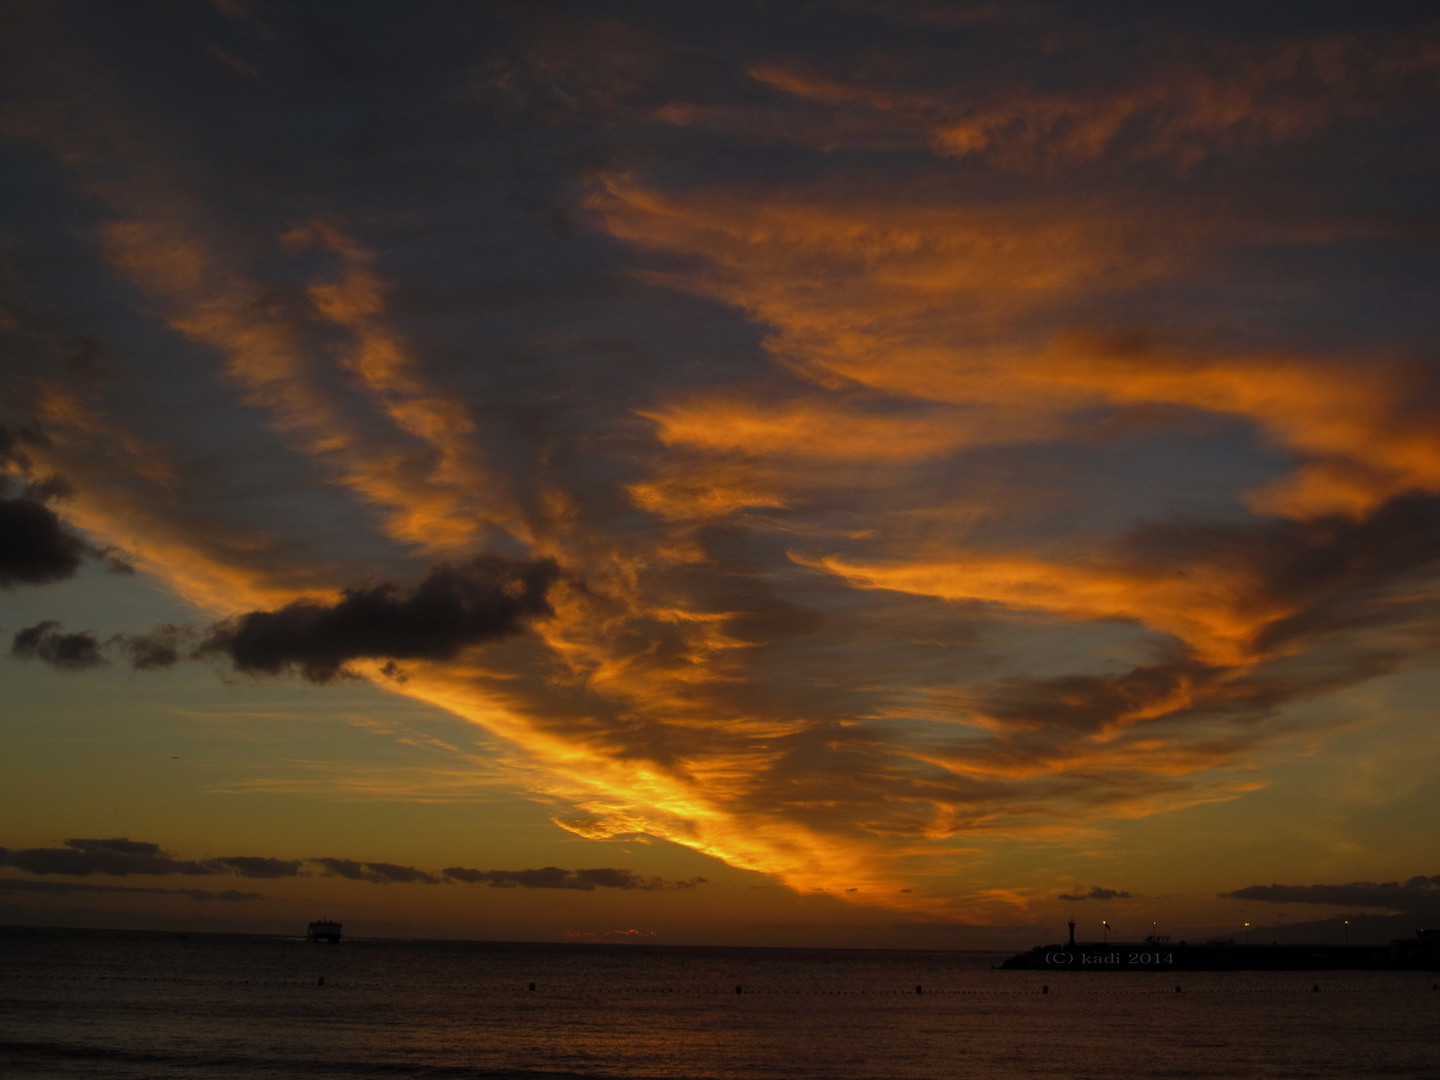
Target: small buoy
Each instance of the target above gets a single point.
(1177, 989)
(320, 981)
(1315, 989)
(919, 989)
(532, 986)
(1045, 989)
(739, 989)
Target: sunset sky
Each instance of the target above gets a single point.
(842, 472)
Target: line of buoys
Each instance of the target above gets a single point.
(741, 989)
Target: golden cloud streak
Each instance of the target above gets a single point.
(1194, 102)
(852, 292)
(450, 519)
(1219, 617)
(623, 796)
(266, 353)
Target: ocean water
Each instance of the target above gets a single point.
(132, 1006)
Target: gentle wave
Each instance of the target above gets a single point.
(119, 1006)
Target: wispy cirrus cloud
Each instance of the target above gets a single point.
(46, 641)
(123, 857)
(117, 856)
(1192, 97)
(64, 888)
(1417, 894)
(552, 877)
(1097, 892)
(376, 873)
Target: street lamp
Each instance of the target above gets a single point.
(1106, 925)
(1247, 933)
(1347, 931)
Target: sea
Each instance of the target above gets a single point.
(119, 1005)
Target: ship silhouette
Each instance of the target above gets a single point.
(323, 930)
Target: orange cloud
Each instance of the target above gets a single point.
(1218, 614)
(212, 567)
(822, 429)
(268, 352)
(705, 490)
(390, 377)
(852, 292)
(1198, 106)
(930, 304)
(1357, 422)
(1193, 100)
(621, 794)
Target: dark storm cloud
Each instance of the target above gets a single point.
(61, 888)
(1096, 893)
(158, 648)
(10, 446)
(377, 873)
(161, 647)
(553, 877)
(1339, 570)
(116, 857)
(68, 652)
(254, 866)
(1334, 568)
(120, 856)
(1417, 894)
(1338, 577)
(1079, 704)
(457, 605)
(36, 547)
(13, 441)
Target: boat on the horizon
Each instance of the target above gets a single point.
(323, 930)
(1159, 953)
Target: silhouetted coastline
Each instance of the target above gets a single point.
(1156, 953)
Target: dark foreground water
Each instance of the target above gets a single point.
(125, 1006)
